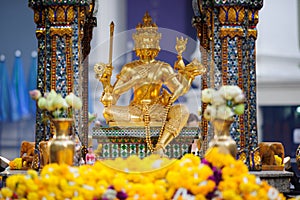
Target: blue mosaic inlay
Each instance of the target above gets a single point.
(61, 66)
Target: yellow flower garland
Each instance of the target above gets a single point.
(213, 177)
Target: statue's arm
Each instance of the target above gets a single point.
(112, 93)
(180, 83)
(189, 72)
(125, 81)
(173, 83)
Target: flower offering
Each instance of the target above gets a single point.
(218, 176)
(57, 105)
(223, 103)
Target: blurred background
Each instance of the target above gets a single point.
(278, 63)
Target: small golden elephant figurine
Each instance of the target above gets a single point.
(44, 153)
(27, 153)
(268, 152)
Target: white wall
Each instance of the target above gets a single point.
(278, 56)
(108, 11)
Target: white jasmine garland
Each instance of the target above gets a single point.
(74, 101)
(210, 112)
(50, 106)
(56, 104)
(207, 95)
(229, 92)
(223, 103)
(218, 100)
(42, 103)
(239, 98)
(51, 95)
(224, 112)
(70, 98)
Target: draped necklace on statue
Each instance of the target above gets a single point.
(146, 118)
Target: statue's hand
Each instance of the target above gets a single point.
(179, 65)
(193, 69)
(166, 97)
(103, 73)
(105, 78)
(107, 97)
(99, 70)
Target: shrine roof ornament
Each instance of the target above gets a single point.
(199, 4)
(250, 3)
(37, 3)
(147, 35)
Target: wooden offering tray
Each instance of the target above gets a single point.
(272, 168)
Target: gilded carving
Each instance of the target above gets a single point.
(231, 32)
(224, 60)
(61, 14)
(39, 16)
(233, 15)
(53, 63)
(61, 31)
(252, 33)
(209, 24)
(81, 19)
(40, 32)
(253, 20)
(70, 14)
(57, 26)
(51, 15)
(253, 17)
(69, 65)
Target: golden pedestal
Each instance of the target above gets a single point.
(123, 142)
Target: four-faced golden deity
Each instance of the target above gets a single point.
(151, 104)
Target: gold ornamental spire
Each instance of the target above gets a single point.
(147, 20)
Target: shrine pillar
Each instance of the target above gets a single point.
(64, 32)
(227, 34)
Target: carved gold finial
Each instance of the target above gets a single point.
(146, 36)
(180, 45)
(180, 48)
(147, 20)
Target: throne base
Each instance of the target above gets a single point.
(124, 142)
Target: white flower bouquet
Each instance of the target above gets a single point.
(57, 106)
(223, 103)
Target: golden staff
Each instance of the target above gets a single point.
(112, 26)
(106, 76)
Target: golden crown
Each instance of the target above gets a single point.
(146, 36)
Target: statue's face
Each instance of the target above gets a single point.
(147, 53)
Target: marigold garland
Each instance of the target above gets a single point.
(214, 177)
